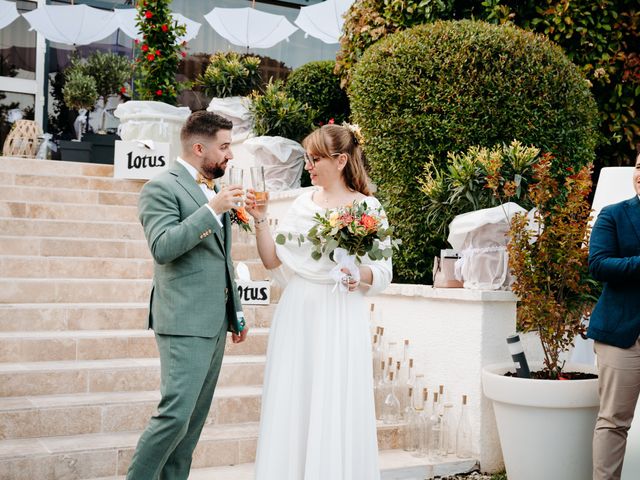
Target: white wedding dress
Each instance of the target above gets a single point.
(318, 420)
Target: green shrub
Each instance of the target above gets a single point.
(79, 90)
(447, 86)
(477, 178)
(230, 74)
(315, 84)
(600, 37)
(109, 70)
(277, 114)
(367, 21)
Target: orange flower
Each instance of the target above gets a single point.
(242, 214)
(368, 222)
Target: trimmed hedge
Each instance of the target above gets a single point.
(315, 84)
(446, 86)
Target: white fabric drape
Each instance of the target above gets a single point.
(8, 13)
(72, 24)
(324, 20)
(127, 23)
(248, 27)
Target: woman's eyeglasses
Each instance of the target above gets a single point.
(311, 161)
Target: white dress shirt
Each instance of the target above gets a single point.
(208, 193)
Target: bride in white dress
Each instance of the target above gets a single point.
(318, 420)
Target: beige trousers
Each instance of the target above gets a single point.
(619, 385)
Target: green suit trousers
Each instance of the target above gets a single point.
(190, 367)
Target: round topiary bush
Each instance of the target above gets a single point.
(445, 86)
(315, 84)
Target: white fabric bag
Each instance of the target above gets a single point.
(235, 109)
(283, 161)
(481, 239)
(157, 121)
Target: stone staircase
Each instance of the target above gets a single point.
(79, 372)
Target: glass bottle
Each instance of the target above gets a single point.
(380, 392)
(375, 357)
(417, 425)
(372, 318)
(406, 353)
(391, 406)
(418, 386)
(440, 399)
(463, 435)
(435, 429)
(407, 432)
(425, 432)
(447, 443)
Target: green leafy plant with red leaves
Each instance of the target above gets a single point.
(159, 52)
(549, 259)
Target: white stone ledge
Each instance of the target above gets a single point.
(462, 294)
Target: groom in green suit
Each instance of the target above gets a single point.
(194, 301)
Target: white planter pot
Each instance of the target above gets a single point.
(545, 426)
(148, 120)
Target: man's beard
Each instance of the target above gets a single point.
(213, 171)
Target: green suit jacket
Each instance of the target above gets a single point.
(193, 284)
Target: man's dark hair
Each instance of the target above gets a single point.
(203, 124)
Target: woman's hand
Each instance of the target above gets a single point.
(255, 210)
(351, 283)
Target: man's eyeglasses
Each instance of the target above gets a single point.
(311, 161)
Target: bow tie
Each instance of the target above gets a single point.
(209, 183)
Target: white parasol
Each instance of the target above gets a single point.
(127, 23)
(8, 13)
(248, 27)
(72, 24)
(324, 20)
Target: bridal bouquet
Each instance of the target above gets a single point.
(356, 229)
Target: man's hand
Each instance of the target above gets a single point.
(227, 198)
(240, 337)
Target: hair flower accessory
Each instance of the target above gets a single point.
(354, 128)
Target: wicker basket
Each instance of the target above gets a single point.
(23, 139)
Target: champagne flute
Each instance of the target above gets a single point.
(259, 184)
(236, 177)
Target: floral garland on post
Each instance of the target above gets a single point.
(160, 53)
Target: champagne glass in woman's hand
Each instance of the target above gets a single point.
(255, 210)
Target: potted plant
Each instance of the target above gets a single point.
(546, 423)
(154, 114)
(280, 122)
(227, 80)
(79, 93)
(111, 72)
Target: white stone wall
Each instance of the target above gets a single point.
(454, 333)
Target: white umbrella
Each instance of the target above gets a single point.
(324, 20)
(127, 23)
(248, 27)
(72, 24)
(8, 13)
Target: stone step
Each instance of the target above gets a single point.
(82, 182)
(74, 247)
(54, 167)
(39, 227)
(102, 345)
(68, 211)
(17, 193)
(108, 454)
(73, 290)
(25, 317)
(394, 465)
(119, 375)
(82, 290)
(30, 266)
(84, 413)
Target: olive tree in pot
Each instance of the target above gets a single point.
(79, 94)
(546, 424)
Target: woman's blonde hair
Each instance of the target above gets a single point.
(331, 139)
